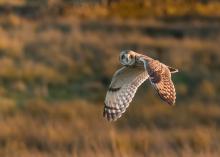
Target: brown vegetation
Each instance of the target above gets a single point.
(52, 87)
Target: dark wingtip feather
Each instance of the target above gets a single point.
(170, 102)
(110, 115)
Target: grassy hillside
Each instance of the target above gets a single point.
(56, 62)
(50, 57)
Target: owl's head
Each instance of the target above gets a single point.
(127, 57)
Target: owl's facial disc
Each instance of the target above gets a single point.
(127, 58)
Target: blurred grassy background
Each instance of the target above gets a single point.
(52, 88)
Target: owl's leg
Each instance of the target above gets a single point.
(145, 63)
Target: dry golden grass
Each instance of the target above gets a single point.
(58, 54)
(77, 128)
(52, 87)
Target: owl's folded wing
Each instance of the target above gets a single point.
(123, 87)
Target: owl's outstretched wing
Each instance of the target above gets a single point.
(160, 78)
(122, 89)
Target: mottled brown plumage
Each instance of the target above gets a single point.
(137, 68)
(160, 77)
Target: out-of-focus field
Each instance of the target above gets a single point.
(56, 62)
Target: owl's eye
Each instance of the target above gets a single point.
(122, 57)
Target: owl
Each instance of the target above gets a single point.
(136, 69)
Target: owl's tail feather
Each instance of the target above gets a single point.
(173, 70)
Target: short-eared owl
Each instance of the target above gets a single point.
(136, 69)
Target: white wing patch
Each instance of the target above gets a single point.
(122, 89)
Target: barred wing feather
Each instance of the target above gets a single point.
(122, 89)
